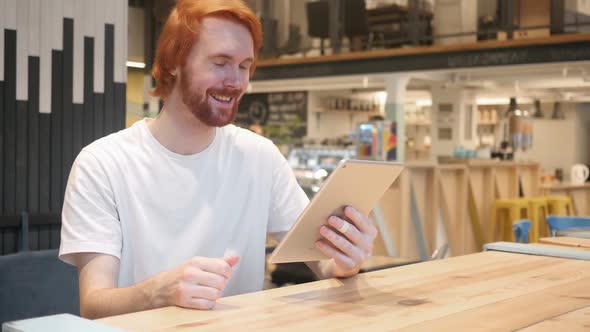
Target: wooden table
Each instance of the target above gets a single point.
(567, 241)
(580, 233)
(486, 291)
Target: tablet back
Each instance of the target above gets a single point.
(359, 183)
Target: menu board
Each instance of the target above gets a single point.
(282, 116)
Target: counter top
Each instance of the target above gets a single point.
(565, 186)
(486, 291)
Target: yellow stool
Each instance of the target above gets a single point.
(560, 205)
(539, 228)
(511, 211)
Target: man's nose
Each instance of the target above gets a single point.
(233, 78)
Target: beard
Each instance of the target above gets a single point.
(198, 105)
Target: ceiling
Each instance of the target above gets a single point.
(565, 81)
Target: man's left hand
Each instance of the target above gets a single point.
(348, 242)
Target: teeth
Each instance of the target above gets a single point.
(221, 98)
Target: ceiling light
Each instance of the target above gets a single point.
(135, 64)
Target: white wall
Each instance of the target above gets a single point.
(561, 143)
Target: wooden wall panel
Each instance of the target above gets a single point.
(9, 129)
(2, 25)
(33, 134)
(88, 135)
(56, 131)
(67, 101)
(62, 85)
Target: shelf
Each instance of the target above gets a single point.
(417, 149)
(319, 111)
(412, 123)
(487, 123)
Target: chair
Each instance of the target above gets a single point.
(537, 213)
(563, 223)
(36, 283)
(560, 205)
(510, 211)
(521, 230)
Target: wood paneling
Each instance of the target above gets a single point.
(88, 133)
(9, 130)
(67, 111)
(43, 132)
(22, 142)
(33, 131)
(56, 131)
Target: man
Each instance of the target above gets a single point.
(150, 212)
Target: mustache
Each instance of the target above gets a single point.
(231, 92)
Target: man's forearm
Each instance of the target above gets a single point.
(106, 302)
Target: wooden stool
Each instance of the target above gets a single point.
(511, 211)
(539, 228)
(560, 205)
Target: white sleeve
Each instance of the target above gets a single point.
(287, 198)
(90, 221)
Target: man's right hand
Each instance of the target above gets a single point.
(195, 284)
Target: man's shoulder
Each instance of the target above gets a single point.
(116, 142)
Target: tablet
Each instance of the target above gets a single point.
(359, 183)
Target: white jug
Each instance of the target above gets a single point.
(579, 173)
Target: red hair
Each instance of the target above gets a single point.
(182, 28)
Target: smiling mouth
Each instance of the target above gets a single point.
(222, 98)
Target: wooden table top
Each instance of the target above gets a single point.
(486, 291)
(567, 241)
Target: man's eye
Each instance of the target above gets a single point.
(219, 64)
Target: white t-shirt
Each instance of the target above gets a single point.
(130, 197)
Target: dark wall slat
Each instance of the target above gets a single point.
(33, 131)
(34, 237)
(55, 236)
(56, 131)
(88, 134)
(44, 162)
(78, 128)
(2, 145)
(109, 65)
(68, 90)
(21, 155)
(120, 105)
(44, 237)
(9, 129)
(98, 115)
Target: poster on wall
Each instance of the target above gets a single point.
(282, 116)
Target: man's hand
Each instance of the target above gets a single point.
(195, 284)
(348, 243)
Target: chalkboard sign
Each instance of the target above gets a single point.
(283, 116)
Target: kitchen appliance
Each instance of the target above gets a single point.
(579, 174)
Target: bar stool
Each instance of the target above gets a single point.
(560, 205)
(510, 211)
(538, 212)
